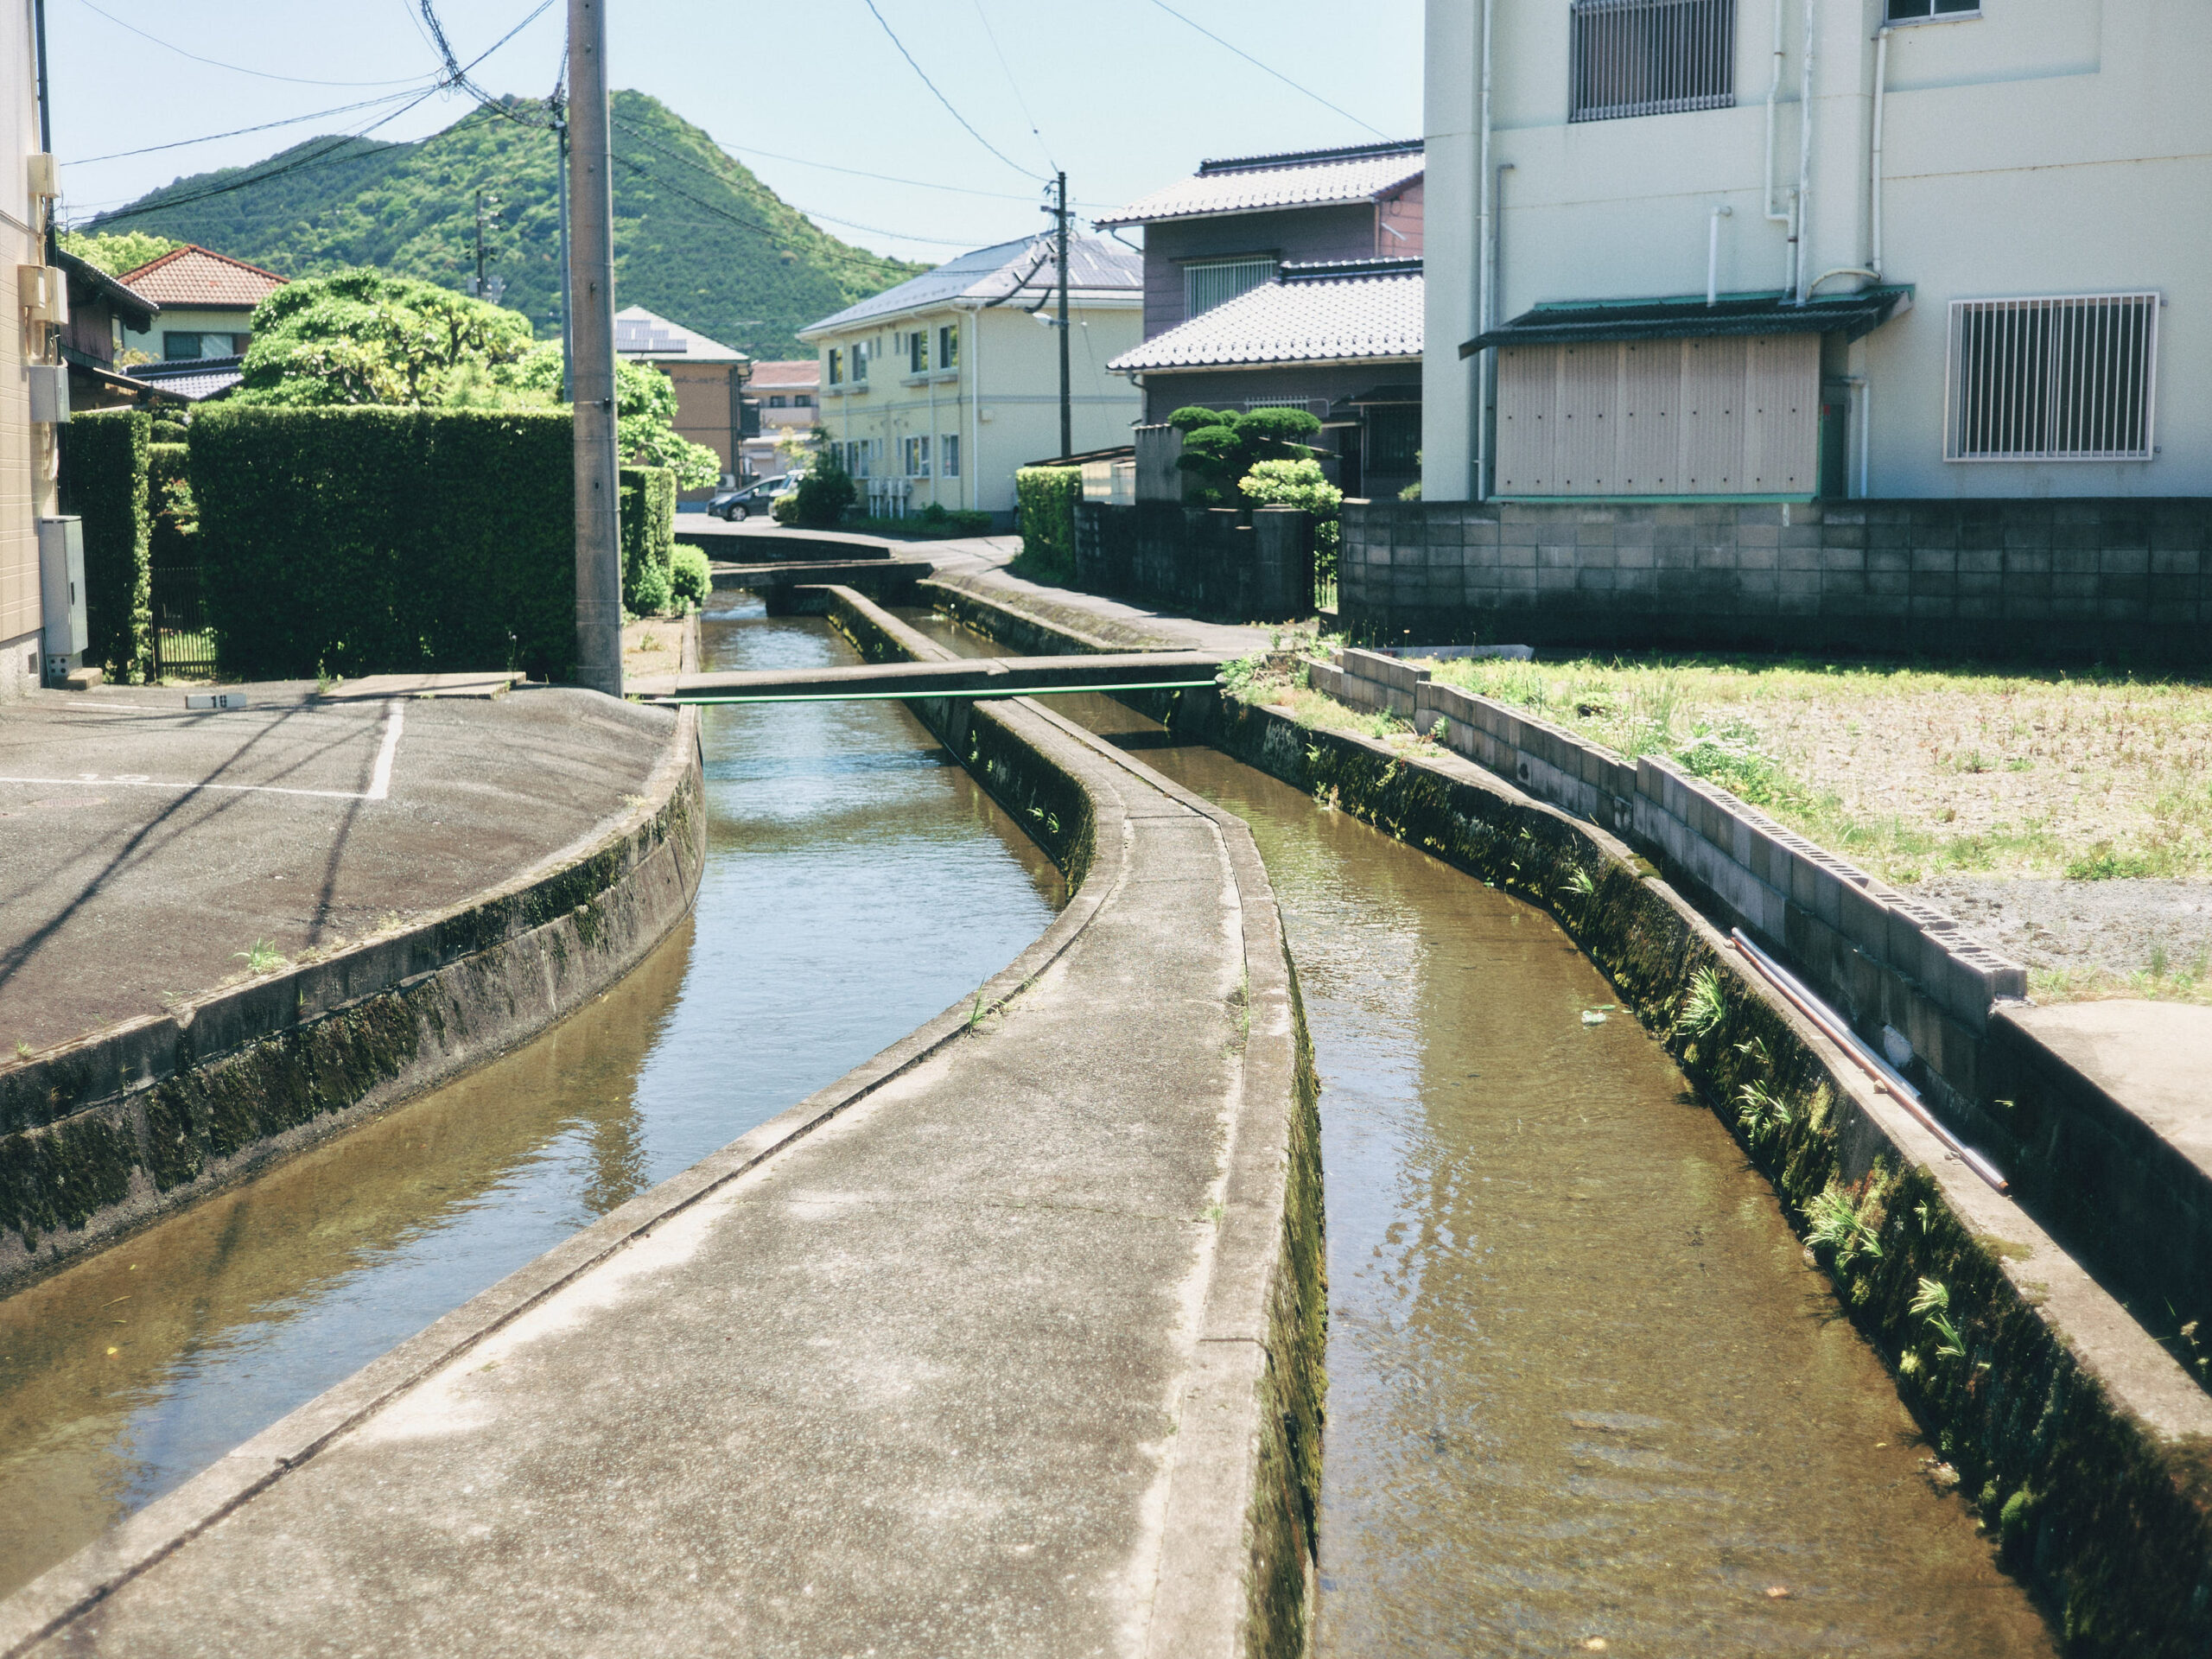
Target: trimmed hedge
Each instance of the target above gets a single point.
(170, 432)
(691, 581)
(648, 507)
(364, 540)
(1045, 497)
(103, 481)
(169, 498)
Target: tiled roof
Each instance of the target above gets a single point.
(1303, 178)
(195, 379)
(640, 333)
(193, 276)
(1097, 269)
(800, 373)
(1364, 309)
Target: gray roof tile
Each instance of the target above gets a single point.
(1311, 314)
(1313, 179)
(1096, 269)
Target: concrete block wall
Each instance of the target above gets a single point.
(2077, 578)
(1882, 957)
(1201, 559)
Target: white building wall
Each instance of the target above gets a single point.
(27, 453)
(1004, 403)
(1451, 386)
(2049, 146)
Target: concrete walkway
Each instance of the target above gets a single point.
(964, 1355)
(144, 846)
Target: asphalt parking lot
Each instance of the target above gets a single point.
(146, 850)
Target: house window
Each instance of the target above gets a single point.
(776, 401)
(836, 366)
(803, 400)
(948, 348)
(859, 455)
(917, 352)
(862, 350)
(1207, 286)
(2053, 380)
(180, 347)
(949, 448)
(1651, 57)
(917, 457)
(1906, 11)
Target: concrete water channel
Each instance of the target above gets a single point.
(1585, 1394)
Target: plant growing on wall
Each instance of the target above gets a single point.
(1302, 484)
(1221, 446)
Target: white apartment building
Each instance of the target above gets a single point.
(28, 451)
(1736, 249)
(939, 388)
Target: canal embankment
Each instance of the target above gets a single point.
(419, 883)
(2079, 1441)
(1009, 1338)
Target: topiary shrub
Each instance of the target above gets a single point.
(690, 581)
(1221, 446)
(648, 506)
(1045, 496)
(1302, 484)
(104, 482)
(367, 540)
(822, 497)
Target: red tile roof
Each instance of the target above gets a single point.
(804, 373)
(193, 276)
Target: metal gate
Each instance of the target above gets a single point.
(184, 645)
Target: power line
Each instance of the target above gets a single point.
(853, 255)
(456, 76)
(862, 173)
(239, 68)
(289, 121)
(941, 97)
(991, 35)
(1277, 73)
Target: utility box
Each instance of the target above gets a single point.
(61, 591)
(43, 291)
(49, 385)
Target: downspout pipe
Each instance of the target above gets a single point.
(1786, 216)
(1805, 159)
(1712, 255)
(1497, 255)
(1874, 160)
(1486, 275)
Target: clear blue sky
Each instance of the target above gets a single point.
(1123, 95)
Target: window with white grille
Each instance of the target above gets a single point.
(1651, 57)
(1207, 286)
(2053, 380)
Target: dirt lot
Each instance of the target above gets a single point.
(2066, 816)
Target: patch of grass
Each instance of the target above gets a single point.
(2192, 983)
(1705, 1005)
(1836, 1221)
(261, 957)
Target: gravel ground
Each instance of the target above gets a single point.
(2075, 937)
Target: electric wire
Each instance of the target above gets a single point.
(991, 35)
(1277, 73)
(940, 96)
(239, 68)
(238, 132)
(456, 76)
(853, 256)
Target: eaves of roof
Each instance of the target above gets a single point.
(1308, 315)
(1266, 183)
(1852, 316)
(135, 307)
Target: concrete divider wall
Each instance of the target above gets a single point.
(1201, 559)
(111, 1131)
(1884, 959)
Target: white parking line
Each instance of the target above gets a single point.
(380, 776)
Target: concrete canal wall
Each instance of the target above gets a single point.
(2084, 1446)
(1009, 1341)
(105, 1134)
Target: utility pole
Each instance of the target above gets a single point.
(591, 328)
(1067, 405)
(560, 190)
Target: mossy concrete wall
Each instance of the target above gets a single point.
(1239, 1555)
(108, 1133)
(2081, 1443)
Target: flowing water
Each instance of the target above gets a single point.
(1585, 1394)
(856, 884)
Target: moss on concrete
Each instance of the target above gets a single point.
(2110, 1525)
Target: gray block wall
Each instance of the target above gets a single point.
(2077, 578)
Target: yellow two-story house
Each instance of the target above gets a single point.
(937, 389)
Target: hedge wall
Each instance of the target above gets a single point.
(648, 504)
(368, 540)
(103, 481)
(1045, 497)
(169, 494)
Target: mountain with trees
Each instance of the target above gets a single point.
(698, 239)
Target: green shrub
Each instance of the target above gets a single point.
(1221, 446)
(1046, 498)
(176, 512)
(648, 497)
(166, 431)
(690, 581)
(369, 539)
(1302, 484)
(938, 519)
(823, 496)
(103, 481)
(784, 508)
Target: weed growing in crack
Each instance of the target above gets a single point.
(1932, 1302)
(1836, 1220)
(261, 957)
(1705, 1005)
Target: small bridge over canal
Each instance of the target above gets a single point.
(986, 678)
